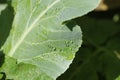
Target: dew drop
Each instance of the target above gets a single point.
(54, 49)
(71, 42)
(67, 43)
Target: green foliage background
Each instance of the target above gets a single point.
(99, 56)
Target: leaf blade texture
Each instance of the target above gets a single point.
(40, 38)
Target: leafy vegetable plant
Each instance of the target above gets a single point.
(43, 39)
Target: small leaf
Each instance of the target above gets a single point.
(2, 7)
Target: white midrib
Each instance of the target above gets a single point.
(11, 52)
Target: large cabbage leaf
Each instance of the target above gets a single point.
(42, 42)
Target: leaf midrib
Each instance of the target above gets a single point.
(23, 36)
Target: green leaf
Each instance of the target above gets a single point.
(22, 71)
(42, 42)
(2, 7)
(118, 78)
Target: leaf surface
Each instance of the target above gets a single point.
(40, 38)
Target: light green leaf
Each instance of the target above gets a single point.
(2, 7)
(40, 40)
(118, 78)
(22, 71)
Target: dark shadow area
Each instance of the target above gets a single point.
(6, 19)
(112, 4)
(2, 58)
(3, 1)
(104, 14)
(70, 24)
(101, 76)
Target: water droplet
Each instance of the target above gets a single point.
(71, 42)
(54, 49)
(55, 55)
(67, 43)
